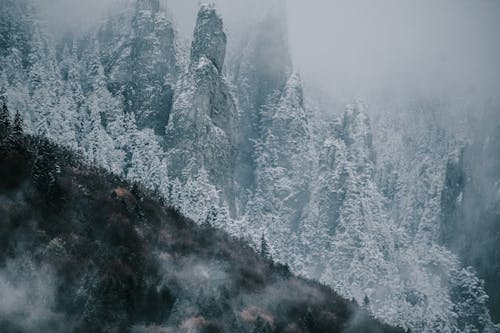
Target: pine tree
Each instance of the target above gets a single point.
(310, 322)
(211, 217)
(45, 170)
(261, 326)
(366, 302)
(17, 129)
(264, 248)
(4, 119)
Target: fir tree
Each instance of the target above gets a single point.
(261, 326)
(4, 119)
(264, 248)
(45, 170)
(211, 217)
(17, 129)
(366, 302)
(136, 191)
(310, 322)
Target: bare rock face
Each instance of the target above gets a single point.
(139, 57)
(201, 132)
(209, 38)
(153, 5)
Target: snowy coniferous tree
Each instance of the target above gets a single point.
(283, 165)
(365, 244)
(360, 235)
(95, 142)
(146, 164)
(41, 87)
(18, 124)
(211, 217)
(72, 101)
(264, 248)
(100, 108)
(199, 196)
(369, 227)
(4, 120)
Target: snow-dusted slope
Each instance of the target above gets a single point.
(364, 206)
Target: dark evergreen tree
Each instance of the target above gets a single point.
(262, 326)
(45, 172)
(264, 248)
(17, 129)
(310, 322)
(366, 302)
(211, 217)
(4, 120)
(136, 191)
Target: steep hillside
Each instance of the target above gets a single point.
(83, 251)
(375, 203)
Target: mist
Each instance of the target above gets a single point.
(420, 48)
(423, 79)
(389, 50)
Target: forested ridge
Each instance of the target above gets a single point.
(393, 204)
(82, 250)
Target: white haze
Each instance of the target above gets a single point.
(389, 49)
(373, 50)
(401, 48)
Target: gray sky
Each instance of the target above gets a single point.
(397, 47)
(386, 48)
(370, 49)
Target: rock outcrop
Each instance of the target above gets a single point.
(138, 53)
(201, 133)
(210, 40)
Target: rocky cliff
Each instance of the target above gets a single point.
(203, 127)
(139, 56)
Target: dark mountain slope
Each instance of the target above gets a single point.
(83, 251)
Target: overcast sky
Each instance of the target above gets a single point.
(371, 49)
(366, 48)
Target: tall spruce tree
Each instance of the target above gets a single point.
(264, 248)
(17, 129)
(4, 120)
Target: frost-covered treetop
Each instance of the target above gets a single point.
(293, 88)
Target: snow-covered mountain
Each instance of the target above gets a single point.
(82, 250)
(373, 206)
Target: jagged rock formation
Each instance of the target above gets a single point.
(139, 56)
(203, 127)
(210, 40)
(372, 227)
